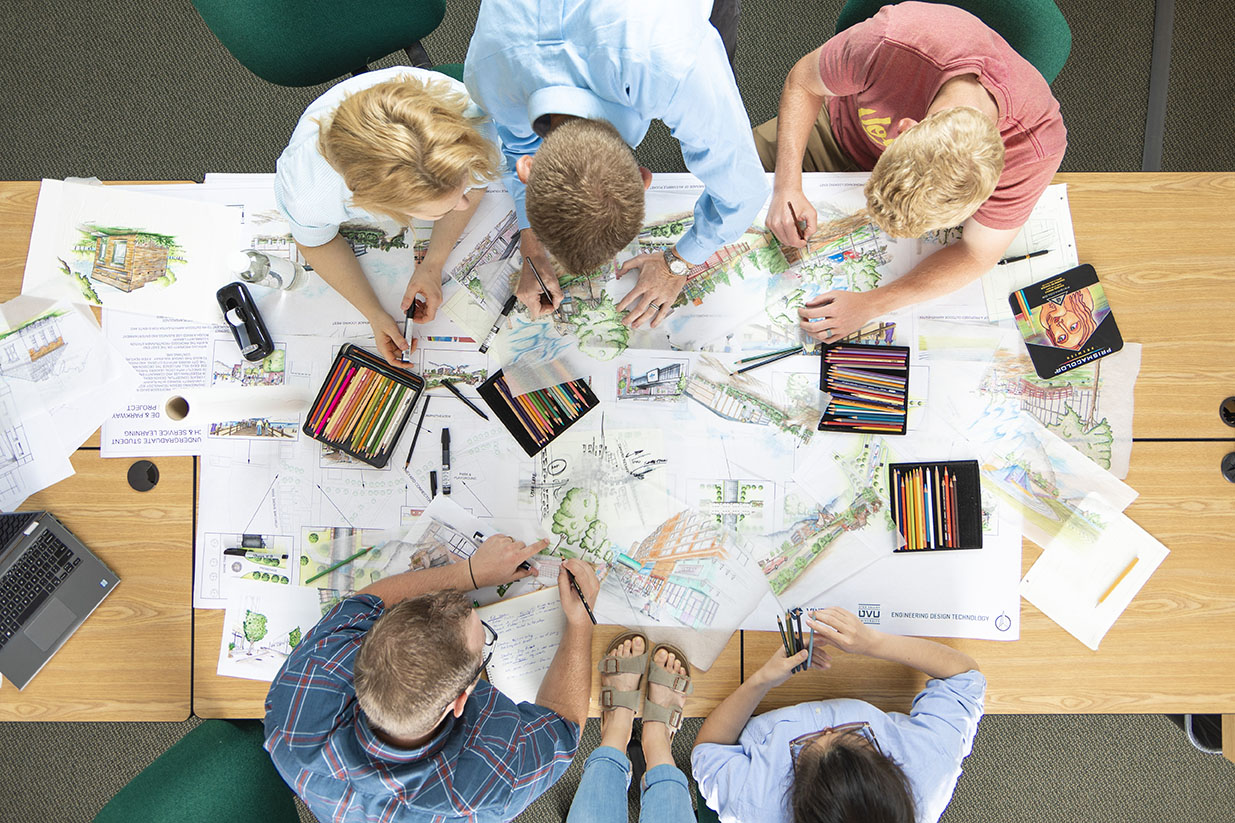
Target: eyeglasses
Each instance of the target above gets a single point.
(490, 644)
(858, 727)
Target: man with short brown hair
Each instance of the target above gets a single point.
(536, 65)
(380, 712)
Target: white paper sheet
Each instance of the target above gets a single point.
(264, 622)
(529, 630)
(128, 250)
(1068, 580)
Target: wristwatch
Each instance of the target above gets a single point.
(677, 266)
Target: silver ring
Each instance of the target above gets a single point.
(655, 306)
(827, 332)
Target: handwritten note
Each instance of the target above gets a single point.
(529, 629)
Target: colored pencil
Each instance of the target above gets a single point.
(769, 354)
(1127, 570)
(772, 359)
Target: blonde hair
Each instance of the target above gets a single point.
(404, 142)
(585, 194)
(936, 174)
(414, 661)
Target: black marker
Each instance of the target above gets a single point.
(497, 324)
(433, 484)
(446, 461)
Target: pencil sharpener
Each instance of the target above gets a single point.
(245, 321)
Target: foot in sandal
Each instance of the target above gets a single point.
(621, 679)
(669, 683)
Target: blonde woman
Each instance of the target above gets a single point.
(386, 147)
(956, 128)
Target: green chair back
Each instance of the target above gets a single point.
(454, 70)
(217, 773)
(307, 42)
(1035, 28)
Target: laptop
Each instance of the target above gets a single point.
(49, 584)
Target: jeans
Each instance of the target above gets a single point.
(601, 796)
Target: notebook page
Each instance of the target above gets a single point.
(529, 629)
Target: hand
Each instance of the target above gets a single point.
(837, 314)
(841, 628)
(427, 284)
(388, 335)
(780, 218)
(654, 292)
(528, 290)
(585, 575)
(779, 668)
(496, 561)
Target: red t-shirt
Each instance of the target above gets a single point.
(892, 65)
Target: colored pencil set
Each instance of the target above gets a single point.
(869, 387)
(535, 418)
(363, 406)
(936, 505)
(791, 635)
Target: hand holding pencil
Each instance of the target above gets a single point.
(498, 559)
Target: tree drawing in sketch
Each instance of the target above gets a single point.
(254, 626)
(599, 329)
(577, 524)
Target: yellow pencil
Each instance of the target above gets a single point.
(1118, 580)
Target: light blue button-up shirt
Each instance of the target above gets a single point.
(625, 62)
(749, 780)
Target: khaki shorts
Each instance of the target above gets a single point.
(823, 153)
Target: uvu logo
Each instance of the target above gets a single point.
(868, 613)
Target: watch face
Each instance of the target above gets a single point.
(676, 264)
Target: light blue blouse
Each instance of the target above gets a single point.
(748, 781)
(308, 190)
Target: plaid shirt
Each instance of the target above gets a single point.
(486, 765)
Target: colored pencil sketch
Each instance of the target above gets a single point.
(34, 349)
(848, 528)
(741, 505)
(323, 547)
(263, 558)
(264, 624)
(122, 258)
(1090, 407)
(652, 379)
(463, 368)
(595, 490)
(693, 573)
(747, 398)
(262, 428)
(232, 369)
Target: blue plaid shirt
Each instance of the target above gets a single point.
(486, 765)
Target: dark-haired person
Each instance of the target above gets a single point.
(842, 760)
(380, 713)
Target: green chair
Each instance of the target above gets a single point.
(307, 42)
(1035, 28)
(217, 773)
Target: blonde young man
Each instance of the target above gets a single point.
(385, 148)
(587, 78)
(380, 712)
(956, 127)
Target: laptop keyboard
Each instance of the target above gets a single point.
(39, 571)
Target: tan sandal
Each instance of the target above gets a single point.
(611, 698)
(655, 712)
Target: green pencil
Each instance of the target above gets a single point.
(770, 354)
(338, 565)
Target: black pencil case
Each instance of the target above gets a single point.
(968, 502)
(511, 419)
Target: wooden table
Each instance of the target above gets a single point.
(1163, 245)
(130, 660)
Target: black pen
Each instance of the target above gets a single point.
(459, 394)
(1020, 257)
(544, 292)
(416, 434)
(446, 461)
(574, 584)
(497, 324)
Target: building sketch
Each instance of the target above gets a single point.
(129, 258)
(687, 567)
(664, 382)
(499, 243)
(31, 351)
